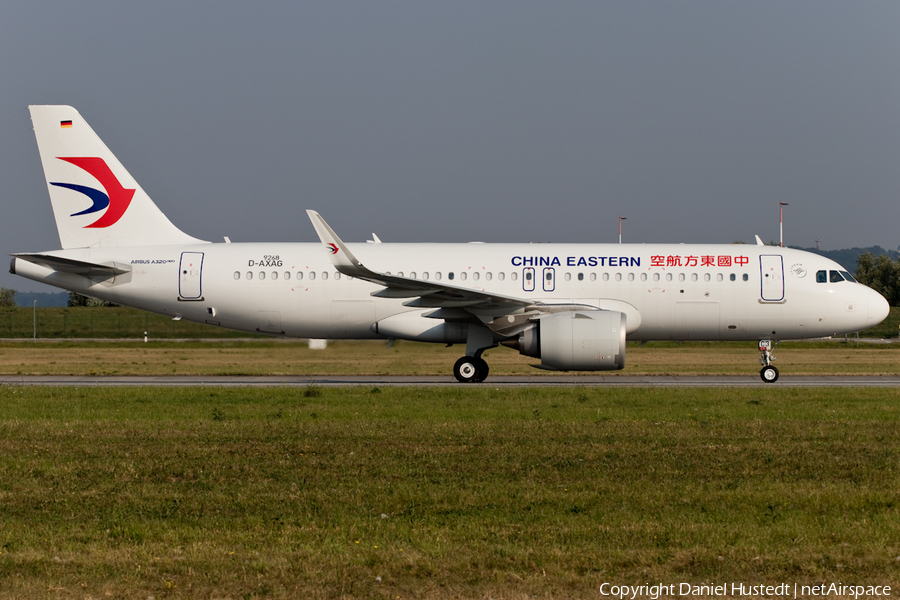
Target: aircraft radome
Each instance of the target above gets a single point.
(572, 306)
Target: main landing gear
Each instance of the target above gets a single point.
(768, 373)
(470, 370)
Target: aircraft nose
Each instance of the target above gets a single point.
(878, 308)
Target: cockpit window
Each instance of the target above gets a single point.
(848, 276)
(834, 276)
(821, 276)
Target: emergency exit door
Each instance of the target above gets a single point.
(190, 276)
(771, 274)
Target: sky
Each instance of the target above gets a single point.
(470, 120)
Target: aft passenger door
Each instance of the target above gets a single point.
(190, 276)
(771, 274)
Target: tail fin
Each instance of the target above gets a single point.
(96, 202)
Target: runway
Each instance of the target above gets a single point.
(698, 381)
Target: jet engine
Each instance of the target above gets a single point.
(575, 341)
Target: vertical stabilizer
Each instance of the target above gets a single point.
(96, 202)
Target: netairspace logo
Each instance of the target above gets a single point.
(736, 590)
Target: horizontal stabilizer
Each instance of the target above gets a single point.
(77, 267)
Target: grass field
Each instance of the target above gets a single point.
(277, 357)
(442, 493)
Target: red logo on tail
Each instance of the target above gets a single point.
(119, 197)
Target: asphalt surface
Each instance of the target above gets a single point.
(431, 381)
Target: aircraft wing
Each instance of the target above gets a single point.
(424, 294)
(78, 267)
(450, 300)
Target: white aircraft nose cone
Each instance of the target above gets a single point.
(878, 308)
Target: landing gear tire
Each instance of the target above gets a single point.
(470, 370)
(482, 370)
(466, 369)
(769, 374)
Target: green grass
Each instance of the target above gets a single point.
(433, 493)
(104, 322)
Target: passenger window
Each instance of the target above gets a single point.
(513, 275)
(501, 275)
(593, 277)
(451, 275)
(719, 277)
(237, 274)
(746, 277)
(631, 277)
(656, 277)
(425, 275)
(274, 275)
(618, 277)
(568, 277)
(412, 274)
(606, 277)
(437, 276)
(706, 277)
(249, 275)
(527, 275)
(681, 277)
(821, 277)
(338, 275)
(668, 277)
(312, 275)
(475, 276)
(732, 277)
(324, 275)
(835, 277)
(643, 277)
(462, 276)
(581, 277)
(262, 275)
(693, 277)
(287, 275)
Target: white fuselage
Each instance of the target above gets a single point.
(666, 291)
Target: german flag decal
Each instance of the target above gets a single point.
(65, 124)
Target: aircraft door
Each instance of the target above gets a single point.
(190, 276)
(771, 274)
(528, 279)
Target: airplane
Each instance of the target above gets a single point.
(572, 306)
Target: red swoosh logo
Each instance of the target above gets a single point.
(119, 197)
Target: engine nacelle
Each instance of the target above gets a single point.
(576, 341)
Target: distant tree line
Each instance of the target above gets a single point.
(850, 256)
(882, 274)
(7, 297)
(79, 300)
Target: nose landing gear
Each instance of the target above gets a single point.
(768, 373)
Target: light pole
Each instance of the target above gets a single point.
(34, 320)
(620, 228)
(781, 206)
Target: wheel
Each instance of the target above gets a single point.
(482, 369)
(769, 374)
(466, 369)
